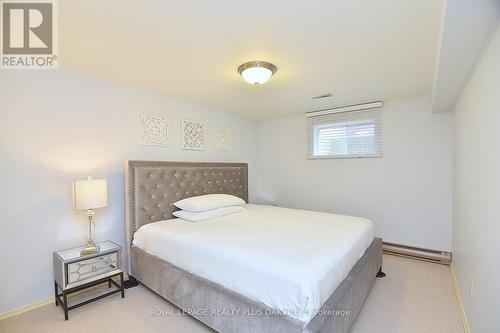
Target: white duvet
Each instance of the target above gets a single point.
(291, 260)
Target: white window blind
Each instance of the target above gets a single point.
(336, 133)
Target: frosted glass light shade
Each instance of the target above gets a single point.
(90, 193)
(256, 75)
(257, 72)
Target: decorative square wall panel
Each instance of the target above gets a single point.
(222, 139)
(193, 135)
(154, 130)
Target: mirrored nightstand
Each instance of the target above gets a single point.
(74, 272)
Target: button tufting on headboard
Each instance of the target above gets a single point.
(153, 187)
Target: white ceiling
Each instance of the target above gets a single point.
(466, 29)
(360, 50)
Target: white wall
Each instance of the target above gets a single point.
(476, 218)
(56, 127)
(407, 193)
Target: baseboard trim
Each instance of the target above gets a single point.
(26, 308)
(32, 306)
(459, 300)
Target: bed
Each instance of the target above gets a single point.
(267, 269)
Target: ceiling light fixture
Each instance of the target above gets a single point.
(257, 72)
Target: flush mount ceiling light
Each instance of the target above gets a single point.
(257, 72)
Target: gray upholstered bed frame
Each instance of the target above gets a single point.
(151, 189)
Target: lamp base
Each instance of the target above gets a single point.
(89, 250)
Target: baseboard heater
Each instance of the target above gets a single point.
(439, 257)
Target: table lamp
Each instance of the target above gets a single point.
(90, 194)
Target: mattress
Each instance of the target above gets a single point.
(290, 260)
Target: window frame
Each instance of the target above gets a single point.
(376, 119)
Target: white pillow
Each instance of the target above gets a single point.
(209, 214)
(209, 201)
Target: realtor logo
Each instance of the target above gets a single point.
(28, 34)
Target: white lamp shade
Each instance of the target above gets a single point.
(256, 75)
(90, 193)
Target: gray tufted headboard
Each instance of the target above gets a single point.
(153, 186)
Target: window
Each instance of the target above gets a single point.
(345, 134)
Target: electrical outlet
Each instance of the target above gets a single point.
(471, 286)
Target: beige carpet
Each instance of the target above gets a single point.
(414, 297)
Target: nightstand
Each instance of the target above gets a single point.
(74, 272)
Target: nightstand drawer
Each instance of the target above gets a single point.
(89, 268)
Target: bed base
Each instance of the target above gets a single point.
(227, 311)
